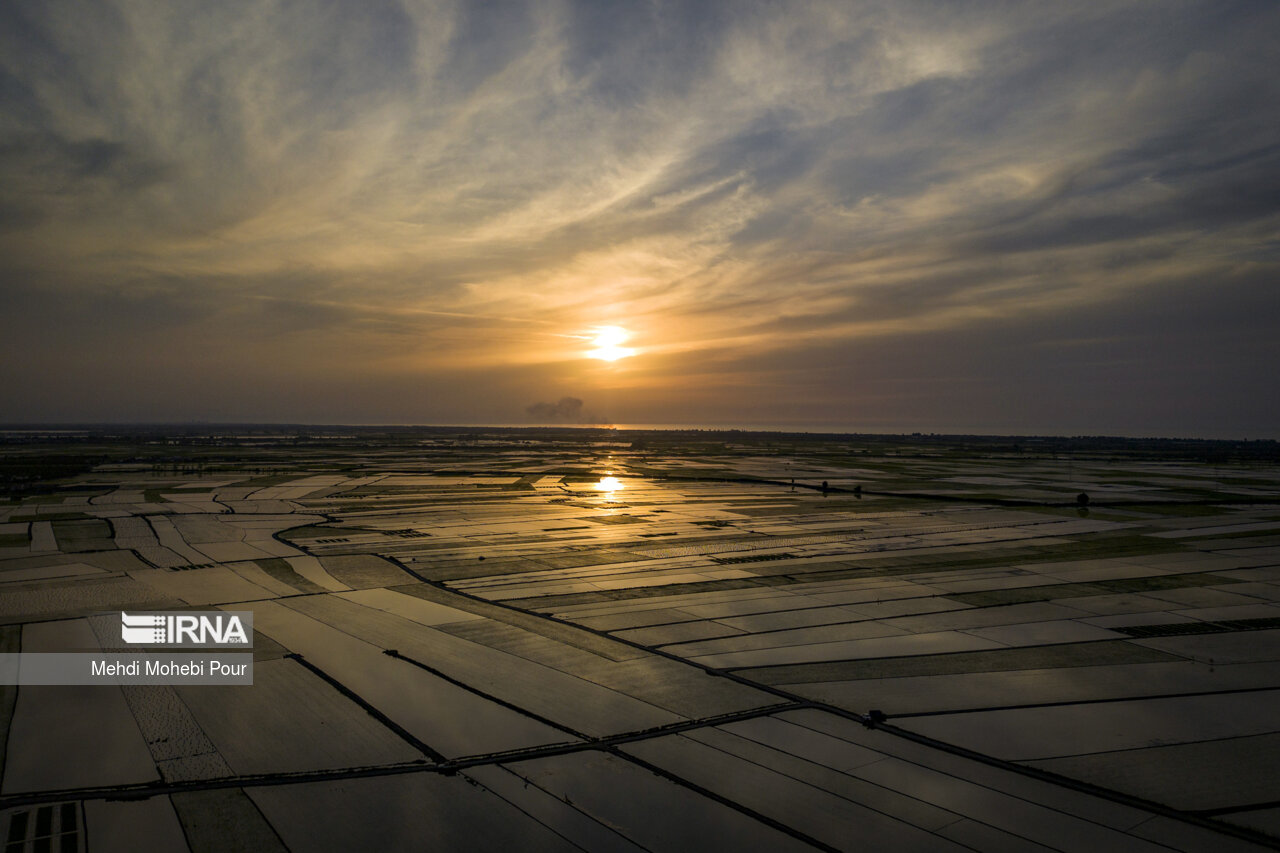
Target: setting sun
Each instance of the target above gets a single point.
(607, 342)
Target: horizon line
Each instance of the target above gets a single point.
(807, 429)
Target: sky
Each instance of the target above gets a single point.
(989, 217)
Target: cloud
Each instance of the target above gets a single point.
(568, 410)
(425, 189)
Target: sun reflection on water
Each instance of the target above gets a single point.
(610, 486)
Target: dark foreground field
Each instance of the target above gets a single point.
(606, 640)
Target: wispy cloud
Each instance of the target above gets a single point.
(387, 190)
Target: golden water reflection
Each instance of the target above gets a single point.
(610, 486)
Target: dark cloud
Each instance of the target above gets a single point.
(567, 410)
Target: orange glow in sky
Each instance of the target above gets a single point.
(607, 342)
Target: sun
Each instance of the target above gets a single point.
(607, 341)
